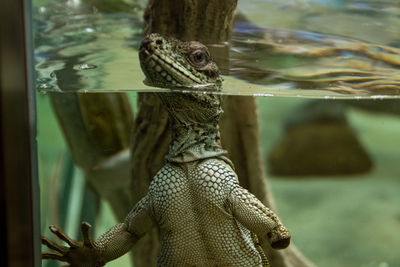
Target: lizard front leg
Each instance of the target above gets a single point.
(262, 221)
(117, 241)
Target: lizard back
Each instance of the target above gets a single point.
(191, 206)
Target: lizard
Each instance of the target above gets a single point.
(204, 217)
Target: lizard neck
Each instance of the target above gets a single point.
(192, 142)
(194, 122)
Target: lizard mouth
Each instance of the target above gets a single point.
(166, 67)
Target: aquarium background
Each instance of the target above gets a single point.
(351, 220)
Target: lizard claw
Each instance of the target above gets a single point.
(54, 246)
(63, 236)
(53, 256)
(87, 240)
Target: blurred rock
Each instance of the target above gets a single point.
(322, 146)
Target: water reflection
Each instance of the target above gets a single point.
(310, 48)
(78, 48)
(306, 60)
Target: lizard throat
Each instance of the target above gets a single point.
(194, 123)
(194, 142)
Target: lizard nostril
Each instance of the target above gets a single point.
(145, 43)
(148, 44)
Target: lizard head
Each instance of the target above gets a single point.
(170, 63)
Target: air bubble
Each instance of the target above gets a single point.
(84, 66)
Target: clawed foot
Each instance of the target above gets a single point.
(78, 253)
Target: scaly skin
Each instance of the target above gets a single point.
(204, 217)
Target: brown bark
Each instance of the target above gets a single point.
(205, 21)
(210, 22)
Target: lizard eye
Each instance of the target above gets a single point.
(198, 57)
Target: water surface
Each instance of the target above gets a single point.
(304, 48)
